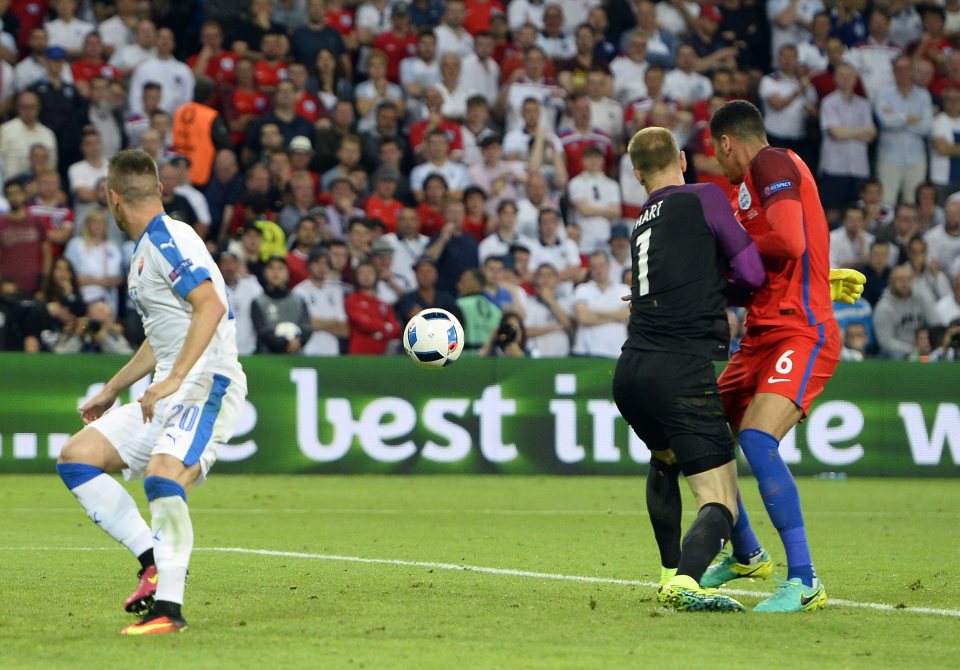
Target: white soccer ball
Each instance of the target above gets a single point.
(287, 330)
(433, 338)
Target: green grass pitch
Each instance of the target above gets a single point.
(319, 601)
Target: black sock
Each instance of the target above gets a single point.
(166, 608)
(665, 508)
(704, 540)
(146, 558)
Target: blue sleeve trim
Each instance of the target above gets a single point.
(184, 276)
(75, 474)
(161, 487)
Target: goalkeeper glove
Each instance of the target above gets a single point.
(846, 285)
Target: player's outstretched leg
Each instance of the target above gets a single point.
(747, 558)
(710, 530)
(109, 505)
(173, 542)
(802, 590)
(665, 508)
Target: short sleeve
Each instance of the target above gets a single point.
(775, 176)
(183, 272)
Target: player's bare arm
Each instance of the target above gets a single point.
(207, 312)
(138, 367)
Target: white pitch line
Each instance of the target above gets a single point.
(508, 572)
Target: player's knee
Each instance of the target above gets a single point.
(74, 451)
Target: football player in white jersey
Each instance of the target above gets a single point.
(170, 435)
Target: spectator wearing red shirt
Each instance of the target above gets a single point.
(91, 64)
(245, 103)
(824, 82)
(582, 135)
(50, 206)
(430, 211)
(341, 19)
(475, 219)
(722, 81)
(213, 60)
(306, 237)
(372, 321)
(933, 43)
(24, 250)
(382, 204)
(703, 152)
(399, 43)
(308, 105)
(479, 13)
(272, 68)
(433, 101)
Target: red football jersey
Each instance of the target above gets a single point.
(84, 70)
(797, 291)
(270, 75)
(220, 68)
(397, 48)
(310, 108)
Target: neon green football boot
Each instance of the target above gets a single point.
(728, 569)
(793, 596)
(683, 594)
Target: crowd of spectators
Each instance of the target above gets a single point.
(350, 162)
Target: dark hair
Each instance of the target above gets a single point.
(51, 289)
(739, 119)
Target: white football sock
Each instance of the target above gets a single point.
(110, 506)
(172, 544)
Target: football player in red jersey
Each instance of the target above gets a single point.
(791, 348)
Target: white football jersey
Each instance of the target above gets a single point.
(168, 262)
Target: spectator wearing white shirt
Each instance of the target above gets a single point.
(192, 195)
(450, 87)
(419, 73)
(948, 307)
(547, 315)
(850, 243)
(846, 120)
(96, 260)
(452, 37)
(661, 45)
(479, 71)
(600, 311)
(67, 31)
(499, 242)
(683, 84)
(242, 289)
(944, 240)
(33, 67)
(788, 100)
(812, 54)
(522, 12)
(554, 39)
(19, 134)
(596, 201)
(945, 145)
(906, 25)
(438, 162)
(175, 78)
(605, 113)
(927, 275)
(372, 19)
(408, 244)
(85, 175)
(790, 22)
(631, 190)
(575, 12)
(905, 112)
(873, 59)
(118, 30)
(628, 70)
(530, 82)
(324, 299)
(549, 247)
(128, 57)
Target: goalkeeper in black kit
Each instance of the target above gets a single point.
(688, 251)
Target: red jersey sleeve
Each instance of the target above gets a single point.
(775, 176)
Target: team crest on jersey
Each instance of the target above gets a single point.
(744, 199)
(140, 267)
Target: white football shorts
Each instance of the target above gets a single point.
(189, 425)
